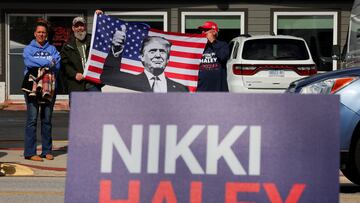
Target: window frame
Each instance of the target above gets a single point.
(164, 15)
(334, 14)
(241, 14)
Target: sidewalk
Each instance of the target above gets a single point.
(19, 105)
(12, 162)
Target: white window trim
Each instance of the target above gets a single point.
(241, 14)
(7, 54)
(164, 15)
(312, 13)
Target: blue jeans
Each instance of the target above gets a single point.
(32, 112)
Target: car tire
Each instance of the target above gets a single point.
(352, 168)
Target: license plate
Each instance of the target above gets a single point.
(276, 73)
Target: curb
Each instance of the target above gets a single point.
(12, 162)
(9, 169)
(14, 169)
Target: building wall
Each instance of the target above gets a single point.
(344, 26)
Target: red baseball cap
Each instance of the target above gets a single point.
(209, 25)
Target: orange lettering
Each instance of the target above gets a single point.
(164, 191)
(105, 192)
(196, 192)
(274, 196)
(232, 189)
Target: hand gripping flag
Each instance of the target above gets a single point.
(185, 53)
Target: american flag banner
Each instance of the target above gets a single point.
(185, 53)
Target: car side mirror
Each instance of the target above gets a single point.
(336, 52)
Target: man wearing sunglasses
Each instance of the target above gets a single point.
(212, 72)
(73, 58)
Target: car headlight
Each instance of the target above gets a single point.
(329, 86)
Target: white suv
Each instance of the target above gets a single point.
(267, 63)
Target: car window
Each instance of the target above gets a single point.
(275, 49)
(231, 46)
(236, 49)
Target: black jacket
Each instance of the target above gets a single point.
(212, 72)
(71, 64)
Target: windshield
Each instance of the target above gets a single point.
(275, 49)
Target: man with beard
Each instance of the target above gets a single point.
(73, 58)
(155, 53)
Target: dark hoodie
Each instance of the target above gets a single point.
(212, 72)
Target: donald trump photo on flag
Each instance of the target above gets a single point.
(134, 56)
(155, 54)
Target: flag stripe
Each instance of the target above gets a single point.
(188, 44)
(181, 71)
(183, 65)
(181, 76)
(187, 49)
(97, 58)
(189, 61)
(96, 64)
(192, 88)
(131, 67)
(94, 77)
(98, 53)
(95, 69)
(185, 54)
(131, 72)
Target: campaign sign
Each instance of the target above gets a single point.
(203, 148)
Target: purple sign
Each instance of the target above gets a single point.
(203, 148)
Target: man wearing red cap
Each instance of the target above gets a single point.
(212, 72)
